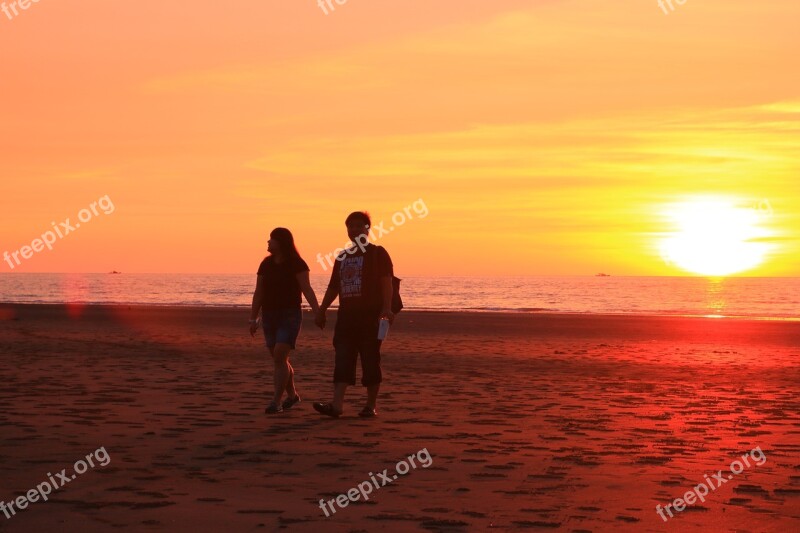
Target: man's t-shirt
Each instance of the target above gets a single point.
(357, 276)
(281, 289)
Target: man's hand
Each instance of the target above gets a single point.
(320, 319)
(253, 328)
(387, 314)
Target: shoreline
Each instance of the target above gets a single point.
(406, 310)
(522, 328)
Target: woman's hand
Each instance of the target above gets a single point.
(320, 319)
(255, 309)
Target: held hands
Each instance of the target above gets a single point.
(319, 318)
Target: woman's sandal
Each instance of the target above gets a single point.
(327, 409)
(273, 408)
(288, 403)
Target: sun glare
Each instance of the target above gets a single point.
(715, 237)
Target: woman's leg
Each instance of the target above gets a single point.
(282, 373)
(272, 356)
(291, 392)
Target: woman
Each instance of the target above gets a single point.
(282, 276)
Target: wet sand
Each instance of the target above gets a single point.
(543, 422)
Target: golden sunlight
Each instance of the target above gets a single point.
(716, 236)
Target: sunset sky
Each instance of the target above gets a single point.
(543, 136)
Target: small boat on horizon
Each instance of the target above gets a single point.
(602, 275)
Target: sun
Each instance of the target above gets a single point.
(715, 237)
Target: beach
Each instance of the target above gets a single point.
(562, 422)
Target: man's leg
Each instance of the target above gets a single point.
(346, 350)
(370, 348)
(372, 395)
(339, 389)
(344, 374)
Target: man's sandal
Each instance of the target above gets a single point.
(327, 410)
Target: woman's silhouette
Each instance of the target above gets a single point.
(282, 277)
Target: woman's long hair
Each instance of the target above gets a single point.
(286, 242)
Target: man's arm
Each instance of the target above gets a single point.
(333, 287)
(330, 295)
(386, 273)
(387, 290)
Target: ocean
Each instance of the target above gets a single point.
(731, 297)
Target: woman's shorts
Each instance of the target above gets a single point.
(281, 326)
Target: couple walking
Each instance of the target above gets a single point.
(361, 279)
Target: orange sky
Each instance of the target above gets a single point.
(544, 137)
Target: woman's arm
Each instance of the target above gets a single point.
(308, 292)
(258, 295)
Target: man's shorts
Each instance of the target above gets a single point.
(357, 334)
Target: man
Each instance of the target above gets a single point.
(362, 279)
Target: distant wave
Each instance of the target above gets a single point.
(770, 298)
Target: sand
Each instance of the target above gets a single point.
(543, 422)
